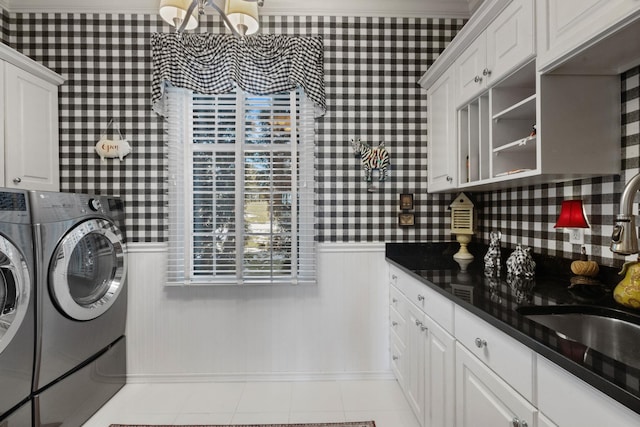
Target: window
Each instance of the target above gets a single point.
(241, 190)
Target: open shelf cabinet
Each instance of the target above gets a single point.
(531, 128)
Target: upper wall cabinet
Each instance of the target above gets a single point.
(569, 27)
(29, 125)
(515, 125)
(441, 128)
(506, 43)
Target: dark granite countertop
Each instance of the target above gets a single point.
(495, 300)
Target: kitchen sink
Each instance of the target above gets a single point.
(612, 332)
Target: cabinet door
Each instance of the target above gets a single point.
(31, 133)
(469, 69)
(510, 40)
(439, 377)
(543, 421)
(564, 26)
(441, 139)
(415, 357)
(482, 398)
(586, 406)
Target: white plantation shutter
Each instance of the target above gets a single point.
(248, 189)
(178, 259)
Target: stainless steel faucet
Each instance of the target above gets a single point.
(624, 239)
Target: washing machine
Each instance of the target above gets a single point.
(17, 290)
(81, 263)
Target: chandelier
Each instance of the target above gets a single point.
(239, 16)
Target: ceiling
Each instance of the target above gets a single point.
(392, 8)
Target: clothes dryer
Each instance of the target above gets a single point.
(81, 264)
(17, 315)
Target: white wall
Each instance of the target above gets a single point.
(337, 329)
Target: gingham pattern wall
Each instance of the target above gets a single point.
(4, 26)
(105, 60)
(371, 69)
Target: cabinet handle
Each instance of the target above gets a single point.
(515, 422)
(394, 300)
(394, 277)
(394, 323)
(424, 328)
(395, 357)
(17, 180)
(420, 297)
(523, 423)
(477, 79)
(480, 343)
(486, 72)
(418, 323)
(449, 179)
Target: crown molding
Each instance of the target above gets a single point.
(365, 8)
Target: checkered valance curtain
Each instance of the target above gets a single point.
(216, 63)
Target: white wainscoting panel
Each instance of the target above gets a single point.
(334, 330)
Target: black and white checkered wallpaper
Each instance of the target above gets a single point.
(372, 66)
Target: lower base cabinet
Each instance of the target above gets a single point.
(424, 362)
(447, 385)
(439, 396)
(429, 381)
(483, 398)
(569, 401)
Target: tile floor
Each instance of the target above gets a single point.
(258, 402)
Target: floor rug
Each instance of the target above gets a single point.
(349, 424)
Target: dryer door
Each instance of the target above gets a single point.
(88, 269)
(15, 291)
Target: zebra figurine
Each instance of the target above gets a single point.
(372, 158)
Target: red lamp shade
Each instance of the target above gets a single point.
(572, 215)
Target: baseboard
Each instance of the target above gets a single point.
(259, 377)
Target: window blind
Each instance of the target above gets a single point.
(241, 208)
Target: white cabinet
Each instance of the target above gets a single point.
(569, 401)
(567, 27)
(511, 360)
(507, 43)
(424, 364)
(495, 141)
(482, 398)
(29, 131)
(397, 334)
(439, 376)
(569, 92)
(476, 375)
(416, 357)
(441, 136)
(471, 70)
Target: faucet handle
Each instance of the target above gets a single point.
(617, 233)
(624, 239)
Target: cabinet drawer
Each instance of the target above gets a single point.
(397, 350)
(434, 305)
(508, 358)
(398, 325)
(397, 300)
